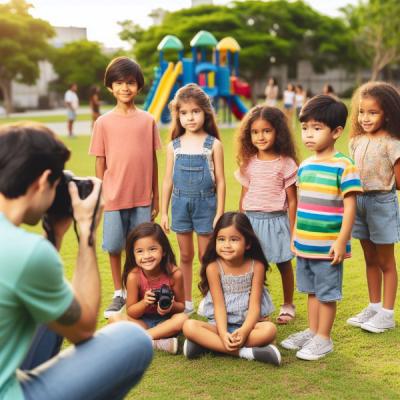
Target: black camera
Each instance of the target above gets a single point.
(164, 296)
(62, 206)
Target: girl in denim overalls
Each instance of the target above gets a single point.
(194, 177)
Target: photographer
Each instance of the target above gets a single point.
(33, 290)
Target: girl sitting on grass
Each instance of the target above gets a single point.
(150, 264)
(236, 300)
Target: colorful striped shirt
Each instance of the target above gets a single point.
(322, 185)
(266, 183)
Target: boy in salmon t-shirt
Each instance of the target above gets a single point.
(125, 141)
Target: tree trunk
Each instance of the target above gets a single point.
(5, 87)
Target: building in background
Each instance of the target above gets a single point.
(39, 95)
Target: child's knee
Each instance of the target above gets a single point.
(189, 326)
(187, 256)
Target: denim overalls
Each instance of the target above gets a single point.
(194, 201)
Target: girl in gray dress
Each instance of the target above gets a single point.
(236, 300)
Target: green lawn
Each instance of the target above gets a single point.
(363, 365)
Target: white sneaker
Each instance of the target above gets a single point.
(169, 345)
(362, 317)
(379, 323)
(297, 340)
(315, 349)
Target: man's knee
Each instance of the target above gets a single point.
(130, 342)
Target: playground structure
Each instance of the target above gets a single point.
(214, 66)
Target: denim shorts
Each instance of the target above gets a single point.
(152, 320)
(230, 327)
(118, 224)
(320, 277)
(71, 115)
(377, 217)
(193, 211)
(273, 232)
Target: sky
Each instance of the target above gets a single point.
(101, 17)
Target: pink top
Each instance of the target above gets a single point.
(128, 144)
(146, 284)
(267, 182)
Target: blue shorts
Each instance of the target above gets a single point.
(193, 211)
(230, 327)
(118, 224)
(273, 232)
(319, 277)
(152, 320)
(377, 217)
(71, 115)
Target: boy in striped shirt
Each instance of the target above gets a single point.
(327, 186)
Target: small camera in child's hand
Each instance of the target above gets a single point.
(164, 296)
(62, 206)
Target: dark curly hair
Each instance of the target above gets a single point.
(284, 143)
(242, 223)
(185, 94)
(388, 98)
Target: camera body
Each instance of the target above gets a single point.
(164, 296)
(62, 206)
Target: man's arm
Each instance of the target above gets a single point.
(79, 321)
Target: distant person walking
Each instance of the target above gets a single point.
(271, 92)
(288, 102)
(299, 98)
(72, 103)
(94, 102)
(328, 89)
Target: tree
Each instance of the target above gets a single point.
(23, 43)
(82, 62)
(374, 24)
(270, 33)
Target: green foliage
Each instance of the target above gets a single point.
(374, 25)
(82, 62)
(24, 42)
(274, 32)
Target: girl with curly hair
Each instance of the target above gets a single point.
(267, 172)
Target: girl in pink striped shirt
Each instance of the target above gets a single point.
(267, 172)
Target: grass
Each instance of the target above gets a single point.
(363, 365)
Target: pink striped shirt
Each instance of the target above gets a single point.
(266, 183)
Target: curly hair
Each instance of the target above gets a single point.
(284, 143)
(388, 98)
(185, 94)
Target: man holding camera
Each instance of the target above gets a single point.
(33, 290)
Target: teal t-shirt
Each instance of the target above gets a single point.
(32, 291)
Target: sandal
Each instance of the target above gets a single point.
(286, 314)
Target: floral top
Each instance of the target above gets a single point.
(375, 158)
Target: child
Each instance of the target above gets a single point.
(124, 142)
(150, 263)
(268, 168)
(299, 98)
(327, 187)
(289, 102)
(375, 147)
(194, 176)
(236, 301)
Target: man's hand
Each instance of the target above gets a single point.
(83, 209)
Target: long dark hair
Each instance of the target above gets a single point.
(284, 143)
(388, 98)
(145, 230)
(185, 94)
(243, 225)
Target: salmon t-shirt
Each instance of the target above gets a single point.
(128, 143)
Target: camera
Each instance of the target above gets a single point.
(163, 296)
(62, 206)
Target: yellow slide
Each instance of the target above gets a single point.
(163, 91)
